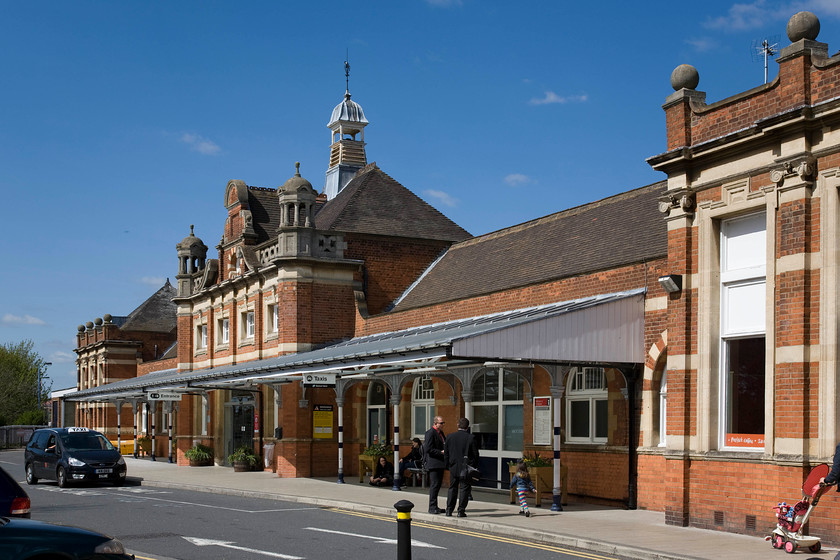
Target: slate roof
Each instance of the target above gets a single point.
(616, 231)
(156, 314)
(265, 209)
(375, 203)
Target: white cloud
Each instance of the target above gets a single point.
(517, 179)
(60, 357)
(551, 97)
(200, 144)
(442, 197)
(14, 320)
(702, 44)
(156, 281)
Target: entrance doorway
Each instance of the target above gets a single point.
(239, 422)
(498, 422)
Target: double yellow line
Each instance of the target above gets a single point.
(508, 540)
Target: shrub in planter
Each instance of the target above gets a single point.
(243, 459)
(199, 455)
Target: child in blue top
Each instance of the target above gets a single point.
(522, 482)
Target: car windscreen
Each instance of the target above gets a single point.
(85, 442)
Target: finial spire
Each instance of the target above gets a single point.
(297, 169)
(192, 229)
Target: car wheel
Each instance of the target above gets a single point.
(30, 474)
(61, 476)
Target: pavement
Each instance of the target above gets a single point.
(598, 529)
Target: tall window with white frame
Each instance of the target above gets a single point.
(587, 406)
(743, 294)
(247, 325)
(224, 330)
(201, 337)
(422, 406)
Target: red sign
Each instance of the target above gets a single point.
(256, 422)
(745, 440)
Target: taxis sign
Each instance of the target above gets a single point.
(319, 380)
(164, 396)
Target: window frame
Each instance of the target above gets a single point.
(591, 394)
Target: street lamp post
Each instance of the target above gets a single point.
(45, 366)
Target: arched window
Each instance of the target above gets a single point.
(587, 406)
(422, 406)
(377, 405)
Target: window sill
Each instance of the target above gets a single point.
(222, 347)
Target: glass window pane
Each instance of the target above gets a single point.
(514, 437)
(601, 419)
(580, 419)
(512, 387)
(745, 386)
(491, 385)
(421, 424)
(485, 426)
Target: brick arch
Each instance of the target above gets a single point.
(654, 362)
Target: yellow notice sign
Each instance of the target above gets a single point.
(322, 421)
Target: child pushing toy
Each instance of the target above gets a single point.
(522, 482)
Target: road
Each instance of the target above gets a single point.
(164, 524)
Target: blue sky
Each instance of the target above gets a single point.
(122, 122)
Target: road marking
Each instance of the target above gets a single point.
(229, 544)
(437, 527)
(138, 494)
(381, 540)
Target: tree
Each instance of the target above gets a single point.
(20, 368)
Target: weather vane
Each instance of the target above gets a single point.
(347, 69)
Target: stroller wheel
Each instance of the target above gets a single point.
(778, 541)
(815, 547)
(790, 547)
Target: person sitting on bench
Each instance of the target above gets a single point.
(412, 460)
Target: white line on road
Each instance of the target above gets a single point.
(378, 539)
(229, 544)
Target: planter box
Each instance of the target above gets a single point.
(543, 479)
(201, 463)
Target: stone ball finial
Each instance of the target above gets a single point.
(89, 324)
(81, 328)
(108, 317)
(98, 321)
(803, 25)
(685, 76)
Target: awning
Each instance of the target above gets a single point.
(607, 328)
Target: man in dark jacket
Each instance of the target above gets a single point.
(460, 450)
(433, 453)
(833, 477)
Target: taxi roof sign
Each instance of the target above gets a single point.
(71, 430)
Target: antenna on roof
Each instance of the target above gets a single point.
(764, 48)
(347, 69)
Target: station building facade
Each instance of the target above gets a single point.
(673, 347)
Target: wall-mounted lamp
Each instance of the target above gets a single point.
(672, 283)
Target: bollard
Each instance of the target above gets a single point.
(404, 508)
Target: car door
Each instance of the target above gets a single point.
(35, 452)
(52, 452)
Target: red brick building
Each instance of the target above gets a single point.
(682, 332)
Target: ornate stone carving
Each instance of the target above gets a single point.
(802, 167)
(684, 201)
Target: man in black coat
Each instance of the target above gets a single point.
(460, 450)
(433, 452)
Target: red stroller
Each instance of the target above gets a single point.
(791, 519)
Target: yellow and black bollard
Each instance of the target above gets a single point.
(404, 508)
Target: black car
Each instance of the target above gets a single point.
(70, 455)
(13, 499)
(24, 539)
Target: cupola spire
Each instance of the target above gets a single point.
(347, 152)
